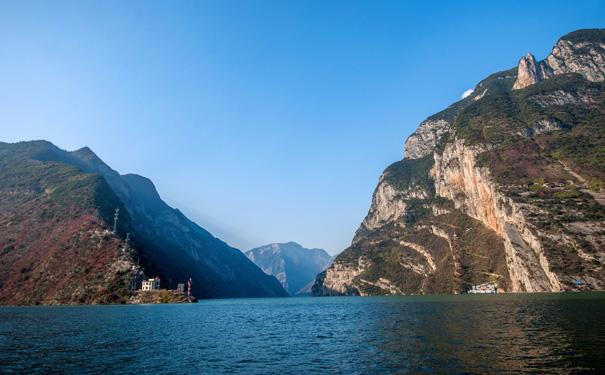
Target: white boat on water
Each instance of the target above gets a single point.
(483, 289)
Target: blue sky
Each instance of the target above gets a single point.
(267, 121)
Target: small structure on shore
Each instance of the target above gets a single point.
(151, 284)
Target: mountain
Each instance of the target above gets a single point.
(55, 247)
(167, 243)
(504, 186)
(294, 266)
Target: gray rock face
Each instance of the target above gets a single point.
(338, 280)
(585, 58)
(388, 205)
(540, 126)
(293, 265)
(562, 97)
(424, 140)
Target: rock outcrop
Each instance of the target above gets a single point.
(339, 279)
(389, 204)
(424, 140)
(569, 55)
(531, 72)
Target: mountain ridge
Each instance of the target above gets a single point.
(169, 244)
(223, 268)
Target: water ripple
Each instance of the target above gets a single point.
(550, 333)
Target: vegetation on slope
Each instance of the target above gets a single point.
(55, 246)
(408, 173)
(586, 35)
(512, 119)
(535, 167)
(162, 296)
(478, 251)
(497, 82)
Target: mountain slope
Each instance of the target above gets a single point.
(219, 271)
(55, 248)
(170, 245)
(294, 266)
(502, 187)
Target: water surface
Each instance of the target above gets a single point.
(510, 333)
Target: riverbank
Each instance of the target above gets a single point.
(158, 296)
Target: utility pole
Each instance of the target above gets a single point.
(115, 220)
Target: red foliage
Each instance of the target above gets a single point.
(48, 259)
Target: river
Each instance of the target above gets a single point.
(507, 333)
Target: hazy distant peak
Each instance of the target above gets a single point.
(86, 154)
(142, 184)
(84, 150)
(293, 265)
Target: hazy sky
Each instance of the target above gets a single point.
(263, 121)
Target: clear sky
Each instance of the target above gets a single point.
(263, 121)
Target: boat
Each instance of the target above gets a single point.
(483, 289)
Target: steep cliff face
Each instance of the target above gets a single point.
(389, 204)
(424, 140)
(458, 178)
(511, 175)
(340, 279)
(531, 72)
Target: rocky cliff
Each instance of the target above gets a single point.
(581, 52)
(502, 187)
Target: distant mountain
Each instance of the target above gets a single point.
(294, 266)
(505, 186)
(167, 243)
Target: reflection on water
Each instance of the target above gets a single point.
(538, 333)
(485, 337)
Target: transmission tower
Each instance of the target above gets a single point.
(115, 220)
